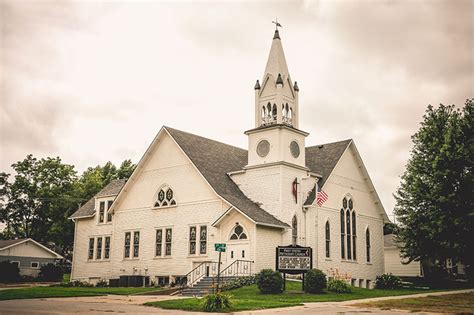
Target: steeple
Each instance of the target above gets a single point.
(276, 98)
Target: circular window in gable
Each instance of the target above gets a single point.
(295, 149)
(263, 148)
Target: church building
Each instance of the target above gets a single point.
(188, 193)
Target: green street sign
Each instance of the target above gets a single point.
(220, 247)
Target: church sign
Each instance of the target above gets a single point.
(294, 259)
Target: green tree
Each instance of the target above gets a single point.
(434, 203)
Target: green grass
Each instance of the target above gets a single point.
(250, 298)
(450, 303)
(52, 292)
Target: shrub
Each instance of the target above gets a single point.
(269, 281)
(388, 281)
(51, 272)
(9, 272)
(339, 286)
(315, 281)
(238, 283)
(75, 283)
(216, 302)
(102, 284)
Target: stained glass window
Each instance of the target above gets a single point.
(136, 243)
(328, 239)
(101, 211)
(107, 247)
(99, 248)
(348, 229)
(127, 245)
(91, 248)
(109, 214)
(238, 233)
(165, 197)
(168, 240)
(159, 242)
(367, 244)
(203, 240)
(192, 240)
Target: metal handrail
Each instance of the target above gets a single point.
(196, 274)
(237, 268)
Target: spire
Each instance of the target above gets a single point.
(276, 63)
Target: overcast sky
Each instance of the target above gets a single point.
(92, 82)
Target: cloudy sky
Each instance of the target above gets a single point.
(95, 81)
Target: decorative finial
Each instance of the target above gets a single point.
(277, 34)
(295, 87)
(257, 86)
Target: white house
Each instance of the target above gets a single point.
(188, 193)
(397, 265)
(27, 254)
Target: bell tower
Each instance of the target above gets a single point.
(276, 137)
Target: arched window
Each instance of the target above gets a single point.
(269, 109)
(238, 233)
(348, 229)
(294, 230)
(165, 197)
(367, 244)
(343, 250)
(274, 112)
(328, 240)
(264, 113)
(283, 111)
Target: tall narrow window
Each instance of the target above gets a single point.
(328, 240)
(294, 230)
(192, 240)
(367, 244)
(203, 240)
(354, 236)
(348, 233)
(107, 247)
(101, 211)
(109, 214)
(136, 244)
(128, 236)
(274, 112)
(99, 248)
(159, 242)
(168, 242)
(343, 250)
(91, 248)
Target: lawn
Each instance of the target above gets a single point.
(51, 292)
(250, 298)
(450, 303)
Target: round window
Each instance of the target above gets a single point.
(263, 148)
(295, 149)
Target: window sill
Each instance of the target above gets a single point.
(162, 257)
(131, 259)
(98, 260)
(165, 207)
(106, 223)
(349, 261)
(369, 263)
(198, 256)
(328, 259)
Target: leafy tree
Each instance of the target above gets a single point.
(434, 203)
(389, 228)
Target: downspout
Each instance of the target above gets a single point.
(73, 250)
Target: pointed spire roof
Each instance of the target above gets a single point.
(276, 63)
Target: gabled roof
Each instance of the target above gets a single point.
(88, 209)
(7, 243)
(214, 160)
(322, 159)
(4, 244)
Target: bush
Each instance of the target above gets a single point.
(339, 286)
(315, 281)
(102, 284)
(238, 283)
(9, 272)
(51, 272)
(388, 281)
(216, 302)
(269, 281)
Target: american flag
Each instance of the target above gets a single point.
(321, 196)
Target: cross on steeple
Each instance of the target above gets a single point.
(276, 24)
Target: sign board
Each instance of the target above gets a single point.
(294, 259)
(220, 247)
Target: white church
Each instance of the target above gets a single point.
(188, 193)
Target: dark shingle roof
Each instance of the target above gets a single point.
(214, 160)
(87, 209)
(322, 159)
(5, 243)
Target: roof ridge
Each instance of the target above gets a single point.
(209, 139)
(334, 142)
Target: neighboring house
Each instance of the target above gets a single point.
(188, 193)
(394, 263)
(28, 254)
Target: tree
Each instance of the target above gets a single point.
(434, 203)
(390, 228)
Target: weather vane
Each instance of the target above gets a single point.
(276, 24)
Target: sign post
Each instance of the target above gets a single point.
(293, 259)
(219, 247)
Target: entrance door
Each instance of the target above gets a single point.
(237, 252)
